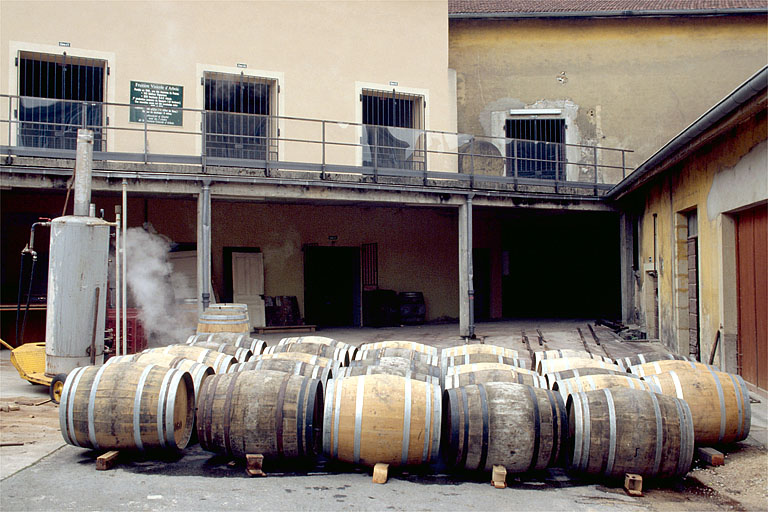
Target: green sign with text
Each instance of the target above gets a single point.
(157, 103)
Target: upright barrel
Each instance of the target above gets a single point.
(224, 320)
(502, 423)
(239, 340)
(272, 413)
(126, 406)
(479, 348)
(667, 365)
(621, 430)
(719, 403)
(382, 418)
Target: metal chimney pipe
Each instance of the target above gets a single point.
(83, 170)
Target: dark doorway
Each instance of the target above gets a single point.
(332, 286)
(481, 266)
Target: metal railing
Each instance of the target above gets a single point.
(304, 144)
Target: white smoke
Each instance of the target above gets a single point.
(149, 277)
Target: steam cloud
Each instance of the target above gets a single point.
(149, 282)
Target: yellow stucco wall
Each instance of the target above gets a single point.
(631, 83)
(726, 175)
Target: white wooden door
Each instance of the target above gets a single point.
(248, 284)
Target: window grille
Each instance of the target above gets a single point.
(392, 130)
(538, 148)
(59, 94)
(239, 122)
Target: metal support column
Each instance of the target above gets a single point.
(204, 246)
(466, 287)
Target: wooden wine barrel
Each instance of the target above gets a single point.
(569, 363)
(223, 320)
(410, 345)
(648, 357)
(219, 361)
(474, 367)
(667, 365)
(505, 373)
(583, 372)
(319, 340)
(622, 430)
(382, 418)
(272, 413)
(502, 423)
(197, 371)
(126, 406)
(403, 353)
(592, 382)
(479, 348)
(323, 373)
(240, 354)
(229, 306)
(408, 368)
(314, 360)
(719, 403)
(255, 345)
(341, 354)
(478, 357)
(563, 353)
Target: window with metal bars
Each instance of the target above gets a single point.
(239, 118)
(59, 94)
(538, 148)
(392, 131)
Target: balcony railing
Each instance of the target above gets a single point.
(36, 127)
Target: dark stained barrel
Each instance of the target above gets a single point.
(621, 430)
(502, 423)
(272, 413)
(127, 406)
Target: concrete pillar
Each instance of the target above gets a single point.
(627, 277)
(204, 246)
(466, 287)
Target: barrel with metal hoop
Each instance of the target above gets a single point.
(232, 338)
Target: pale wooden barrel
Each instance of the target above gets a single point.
(126, 406)
(563, 353)
(341, 354)
(219, 361)
(312, 359)
(410, 345)
(197, 371)
(479, 348)
(225, 320)
(569, 363)
(719, 403)
(240, 354)
(667, 365)
(228, 306)
(408, 368)
(583, 372)
(319, 340)
(504, 373)
(323, 373)
(272, 413)
(648, 357)
(255, 345)
(404, 353)
(567, 387)
(622, 430)
(382, 418)
(478, 357)
(502, 423)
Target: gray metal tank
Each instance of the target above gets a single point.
(77, 269)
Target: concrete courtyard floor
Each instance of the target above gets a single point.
(41, 472)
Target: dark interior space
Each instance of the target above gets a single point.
(481, 267)
(564, 264)
(332, 286)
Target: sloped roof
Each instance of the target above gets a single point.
(511, 8)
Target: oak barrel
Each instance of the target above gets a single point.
(275, 414)
(500, 373)
(648, 357)
(667, 365)
(197, 371)
(479, 348)
(240, 340)
(126, 406)
(287, 366)
(382, 418)
(583, 372)
(371, 354)
(341, 354)
(479, 357)
(569, 363)
(503, 423)
(240, 354)
(224, 320)
(409, 368)
(410, 345)
(319, 340)
(622, 430)
(719, 403)
(592, 382)
(219, 361)
(563, 353)
(304, 358)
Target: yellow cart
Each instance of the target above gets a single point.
(29, 361)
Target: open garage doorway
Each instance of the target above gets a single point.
(332, 295)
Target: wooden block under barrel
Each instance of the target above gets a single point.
(107, 460)
(253, 464)
(711, 456)
(380, 471)
(499, 477)
(633, 484)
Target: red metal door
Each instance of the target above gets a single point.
(752, 274)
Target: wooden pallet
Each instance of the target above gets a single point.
(285, 328)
